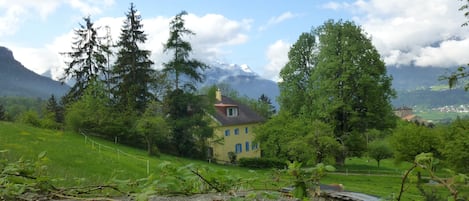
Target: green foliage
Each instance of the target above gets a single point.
(2, 113)
(132, 74)
(187, 180)
(295, 90)
(189, 124)
(153, 128)
(288, 138)
(91, 112)
(351, 89)
(409, 140)
(305, 179)
(88, 61)
(425, 163)
(23, 176)
(14, 106)
(29, 117)
(261, 163)
(379, 150)
(181, 64)
(455, 145)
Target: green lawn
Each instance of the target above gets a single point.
(74, 160)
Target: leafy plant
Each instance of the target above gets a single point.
(424, 163)
(307, 178)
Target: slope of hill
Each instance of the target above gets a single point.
(16, 80)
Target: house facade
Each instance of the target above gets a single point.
(233, 130)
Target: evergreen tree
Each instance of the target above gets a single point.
(2, 113)
(265, 107)
(53, 108)
(351, 89)
(181, 64)
(132, 74)
(190, 129)
(88, 60)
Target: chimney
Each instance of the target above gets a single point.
(218, 95)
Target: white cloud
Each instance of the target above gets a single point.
(214, 35)
(278, 19)
(277, 55)
(419, 31)
(336, 5)
(18, 11)
(450, 53)
(9, 20)
(90, 7)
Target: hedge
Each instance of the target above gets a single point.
(260, 163)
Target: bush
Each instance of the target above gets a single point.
(30, 118)
(261, 163)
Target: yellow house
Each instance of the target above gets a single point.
(233, 131)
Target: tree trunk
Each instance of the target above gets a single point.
(149, 145)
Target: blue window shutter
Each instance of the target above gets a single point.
(247, 146)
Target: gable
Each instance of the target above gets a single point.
(230, 112)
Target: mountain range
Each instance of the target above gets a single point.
(17, 80)
(413, 84)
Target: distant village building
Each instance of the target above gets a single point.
(407, 114)
(233, 130)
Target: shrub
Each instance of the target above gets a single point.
(30, 118)
(261, 163)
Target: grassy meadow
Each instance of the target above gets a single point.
(76, 160)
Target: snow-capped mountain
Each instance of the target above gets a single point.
(242, 79)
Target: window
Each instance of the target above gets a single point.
(247, 146)
(236, 131)
(254, 146)
(246, 130)
(238, 148)
(227, 132)
(232, 112)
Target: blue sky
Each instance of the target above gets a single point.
(253, 32)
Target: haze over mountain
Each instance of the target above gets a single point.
(17, 80)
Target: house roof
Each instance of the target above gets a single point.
(245, 114)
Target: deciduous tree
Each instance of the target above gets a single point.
(350, 86)
(408, 140)
(152, 127)
(296, 76)
(379, 150)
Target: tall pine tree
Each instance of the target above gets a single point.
(88, 60)
(132, 72)
(181, 64)
(190, 129)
